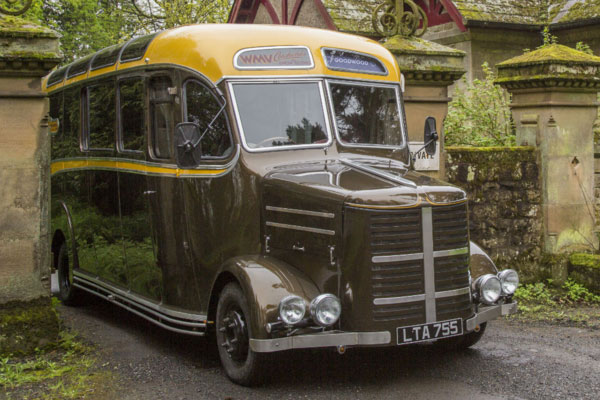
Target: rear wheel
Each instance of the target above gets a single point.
(241, 364)
(68, 294)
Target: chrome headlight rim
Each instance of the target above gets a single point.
(504, 277)
(314, 309)
(286, 301)
(482, 283)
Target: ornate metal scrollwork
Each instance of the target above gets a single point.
(399, 17)
(14, 7)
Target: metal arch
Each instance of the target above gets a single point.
(392, 18)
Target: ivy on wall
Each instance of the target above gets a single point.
(479, 114)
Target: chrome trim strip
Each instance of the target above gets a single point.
(428, 264)
(301, 212)
(301, 228)
(397, 258)
(136, 299)
(142, 315)
(378, 173)
(419, 256)
(452, 252)
(398, 300)
(488, 313)
(325, 339)
(452, 293)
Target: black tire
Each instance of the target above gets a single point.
(242, 365)
(460, 343)
(68, 294)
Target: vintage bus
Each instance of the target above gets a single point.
(254, 183)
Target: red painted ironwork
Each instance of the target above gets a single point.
(454, 14)
(295, 12)
(323, 11)
(271, 10)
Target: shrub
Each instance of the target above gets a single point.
(479, 114)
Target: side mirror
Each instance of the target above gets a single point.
(187, 140)
(431, 136)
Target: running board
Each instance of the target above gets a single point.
(172, 320)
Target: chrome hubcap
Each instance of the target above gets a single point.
(234, 335)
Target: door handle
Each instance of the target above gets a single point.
(149, 192)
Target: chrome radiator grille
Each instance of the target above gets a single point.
(412, 283)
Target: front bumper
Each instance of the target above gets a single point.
(338, 338)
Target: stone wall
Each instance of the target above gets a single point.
(505, 200)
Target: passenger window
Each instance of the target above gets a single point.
(131, 108)
(101, 111)
(202, 107)
(161, 114)
(72, 122)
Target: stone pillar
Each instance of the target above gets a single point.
(554, 106)
(27, 52)
(428, 69)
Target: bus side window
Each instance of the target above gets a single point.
(201, 107)
(101, 111)
(72, 122)
(161, 116)
(131, 109)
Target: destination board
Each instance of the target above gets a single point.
(345, 60)
(288, 57)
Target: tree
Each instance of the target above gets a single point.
(171, 13)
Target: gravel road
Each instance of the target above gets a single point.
(512, 361)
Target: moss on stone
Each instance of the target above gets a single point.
(551, 54)
(32, 55)
(414, 45)
(456, 149)
(27, 326)
(585, 260)
(18, 27)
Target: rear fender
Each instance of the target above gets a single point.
(265, 281)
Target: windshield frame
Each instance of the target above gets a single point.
(399, 105)
(273, 81)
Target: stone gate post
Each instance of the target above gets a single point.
(27, 52)
(428, 68)
(554, 106)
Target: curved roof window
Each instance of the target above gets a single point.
(135, 49)
(57, 76)
(79, 67)
(106, 57)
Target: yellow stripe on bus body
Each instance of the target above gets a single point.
(61, 166)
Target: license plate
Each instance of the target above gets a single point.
(431, 331)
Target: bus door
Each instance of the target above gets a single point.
(207, 196)
(144, 276)
(164, 194)
(101, 215)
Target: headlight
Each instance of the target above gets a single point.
(489, 288)
(509, 280)
(325, 309)
(292, 309)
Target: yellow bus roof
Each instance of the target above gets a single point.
(210, 50)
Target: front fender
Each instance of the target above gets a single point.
(480, 263)
(265, 281)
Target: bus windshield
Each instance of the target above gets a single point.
(367, 114)
(272, 115)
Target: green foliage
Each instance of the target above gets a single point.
(543, 294)
(534, 292)
(66, 372)
(548, 39)
(584, 47)
(479, 114)
(579, 293)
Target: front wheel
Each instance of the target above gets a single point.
(68, 294)
(242, 365)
